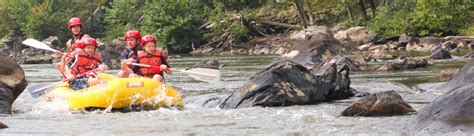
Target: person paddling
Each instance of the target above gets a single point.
(133, 38)
(150, 56)
(75, 25)
(84, 61)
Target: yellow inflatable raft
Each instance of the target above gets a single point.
(119, 93)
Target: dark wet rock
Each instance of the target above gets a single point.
(449, 46)
(388, 103)
(12, 83)
(2, 126)
(286, 83)
(32, 55)
(53, 42)
(453, 110)
(341, 61)
(402, 63)
(208, 63)
(386, 40)
(440, 54)
(36, 56)
(205, 100)
(448, 73)
(110, 53)
(12, 45)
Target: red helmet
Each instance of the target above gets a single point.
(74, 21)
(79, 44)
(90, 41)
(147, 38)
(133, 34)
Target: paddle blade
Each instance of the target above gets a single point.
(40, 89)
(37, 44)
(203, 74)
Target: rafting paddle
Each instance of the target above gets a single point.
(39, 45)
(201, 74)
(42, 88)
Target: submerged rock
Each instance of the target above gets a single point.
(12, 83)
(440, 54)
(403, 63)
(388, 103)
(448, 73)
(453, 110)
(208, 63)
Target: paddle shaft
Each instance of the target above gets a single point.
(184, 71)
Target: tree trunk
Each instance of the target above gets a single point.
(362, 8)
(373, 7)
(310, 12)
(300, 12)
(349, 13)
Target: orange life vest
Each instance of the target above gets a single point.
(154, 60)
(74, 40)
(84, 62)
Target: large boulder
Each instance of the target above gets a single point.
(322, 47)
(429, 43)
(286, 83)
(453, 110)
(12, 83)
(110, 52)
(388, 103)
(312, 71)
(355, 36)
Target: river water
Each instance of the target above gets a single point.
(34, 116)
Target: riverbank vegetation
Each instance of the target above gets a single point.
(185, 25)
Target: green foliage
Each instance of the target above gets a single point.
(43, 18)
(174, 23)
(5, 26)
(225, 22)
(435, 18)
(120, 18)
